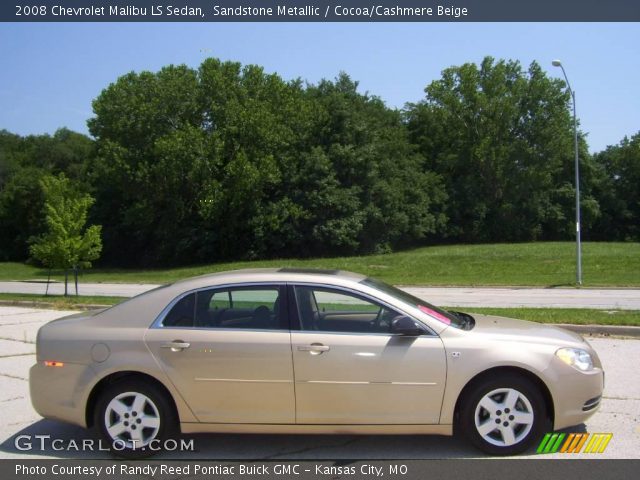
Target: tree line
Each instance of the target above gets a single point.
(229, 162)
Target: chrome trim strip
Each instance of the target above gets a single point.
(332, 382)
(370, 334)
(239, 380)
(429, 384)
(224, 329)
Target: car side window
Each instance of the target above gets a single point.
(240, 307)
(329, 310)
(181, 315)
(220, 299)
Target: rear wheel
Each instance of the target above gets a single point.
(134, 418)
(504, 416)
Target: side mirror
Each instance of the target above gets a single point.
(403, 325)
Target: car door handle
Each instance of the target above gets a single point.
(176, 345)
(314, 348)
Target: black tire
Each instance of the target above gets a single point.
(156, 406)
(524, 435)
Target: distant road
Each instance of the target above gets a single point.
(623, 299)
(602, 299)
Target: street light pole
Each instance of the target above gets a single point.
(558, 63)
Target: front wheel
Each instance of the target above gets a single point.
(504, 416)
(134, 418)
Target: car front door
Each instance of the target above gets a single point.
(228, 352)
(350, 369)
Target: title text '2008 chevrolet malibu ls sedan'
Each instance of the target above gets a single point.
(308, 351)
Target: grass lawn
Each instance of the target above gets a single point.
(576, 316)
(60, 302)
(526, 264)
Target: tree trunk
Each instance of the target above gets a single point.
(66, 280)
(75, 273)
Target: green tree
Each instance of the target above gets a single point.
(23, 162)
(232, 162)
(376, 193)
(146, 172)
(501, 137)
(619, 190)
(21, 203)
(66, 244)
(258, 124)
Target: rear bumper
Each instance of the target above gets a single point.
(55, 392)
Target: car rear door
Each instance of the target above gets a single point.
(349, 368)
(228, 352)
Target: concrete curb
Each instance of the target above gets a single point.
(48, 305)
(607, 330)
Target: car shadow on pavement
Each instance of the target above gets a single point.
(582, 428)
(49, 438)
(52, 439)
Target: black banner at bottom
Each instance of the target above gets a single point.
(489, 469)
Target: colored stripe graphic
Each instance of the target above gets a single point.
(573, 443)
(581, 443)
(606, 441)
(543, 443)
(570, 440)
(551, 443)
(598, 443)
(556, 445)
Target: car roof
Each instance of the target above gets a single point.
(259, 275)
(141, 310)
(148, 305)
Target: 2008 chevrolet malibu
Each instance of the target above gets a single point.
(309, 351)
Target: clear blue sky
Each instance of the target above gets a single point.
(51, 72)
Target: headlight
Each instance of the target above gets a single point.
(576, 357)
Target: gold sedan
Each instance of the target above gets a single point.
(308, 351)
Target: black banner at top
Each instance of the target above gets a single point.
(320, 11)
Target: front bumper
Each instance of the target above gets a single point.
(577, 395)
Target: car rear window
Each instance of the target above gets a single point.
(234, 308)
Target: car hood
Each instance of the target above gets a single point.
(512, 329)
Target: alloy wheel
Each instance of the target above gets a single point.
(504, 417)
(132, 419)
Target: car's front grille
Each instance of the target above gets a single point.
(591, 404)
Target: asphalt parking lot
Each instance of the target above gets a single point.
(619, 414)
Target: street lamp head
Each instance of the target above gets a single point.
(556, 63)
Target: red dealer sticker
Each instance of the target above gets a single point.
(434, 314)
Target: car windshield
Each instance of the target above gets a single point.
(454, 319)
